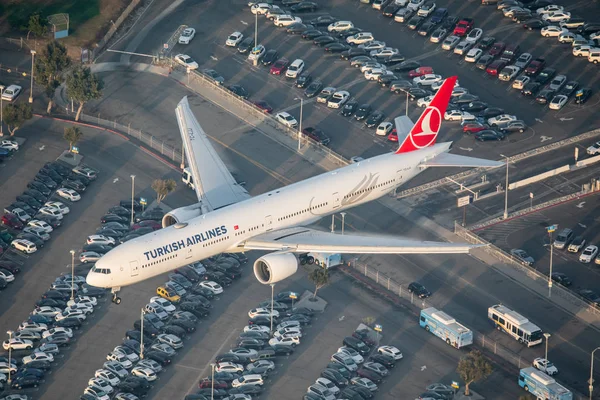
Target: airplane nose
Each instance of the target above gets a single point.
(94, 279)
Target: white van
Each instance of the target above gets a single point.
(594, 56)
(24, 245)
(295, 69)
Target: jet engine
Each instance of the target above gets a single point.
(181, 214)
(275, 267)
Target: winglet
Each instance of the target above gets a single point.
(425, 131)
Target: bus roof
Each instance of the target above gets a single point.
(545, 380)
(445, 319)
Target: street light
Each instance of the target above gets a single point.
(272, 292)
(547, 336)
(10, 333)
(132, 187)
(506, 189)
(72, 274)
(332, 223)
(551, 229)
(591, 381)
(212, 383)
(142, 334)
(343, 221)
(31, 91)
(1, 111)
(300, 124)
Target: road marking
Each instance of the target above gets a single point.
(565, 119)
(341, 318)
(42, 147)
(466, 148)
(115, 180)
(244, 22)
(214, 58)
(424, 367)
(537, 119)
(580, 205)
(545, 138)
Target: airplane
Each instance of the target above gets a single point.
(227, 219)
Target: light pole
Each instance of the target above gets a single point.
(551, 229)
(272, 293)
(591, 381)
(1, 111)
(300, 124)
(506, 189)
(31, 91)
(256, 29)
(132, 188)
(142, 334)
(406, 113)
(547, 336)
(212, 382)
(343, 221)
(72, 274)
(10, 333)
(332, 223)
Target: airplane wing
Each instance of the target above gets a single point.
(213, 183)
(303, 240)
(455, 160)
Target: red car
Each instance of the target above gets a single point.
(464, 26)
(474, 128)
(207, 383)
(148, 223)
(494, 68)
(497, 48)
(535, 66)
(420, 72)
(264, 106)
(393, 136)
(12, 221)
(279, 66)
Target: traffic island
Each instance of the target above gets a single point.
(316, 304)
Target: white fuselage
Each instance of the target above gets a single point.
(226, 229)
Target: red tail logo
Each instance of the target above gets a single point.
(425, 131)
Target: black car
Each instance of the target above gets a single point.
(303, 80)
(313, 89)
(545, 76)
(582, 95)
(77, 177)
(36, 194)
(349, 108)
(374, 119)
(245, 45)
(297, 28)
(189, 273)
(30, 201)
(383, 359)
(419, 290)
(334, 376)
(490, 112)
(283, 350)
(531, 89)
(26, 370)
(359, 61)
(260, 320)
(121, 212)
(56, 294)
(545, 96)
(484, 61)
(305, 6)
(41, 319)
(149, 329)
(561, 278)
(110, 232)
(351, 394)
(195, 308)
(202, 291)
(98, 248)
(51, 303)
(590, 296)
(254, 344)
(239, 91)
(254, 335)
(416, 93)
(317, 135)
(450, 22)
(386, 80)
(364, 110)
(324, 40)
(357, 345)
(114, 218)
(312, 34)
(570, 88)
(74, 184)
(134, 334)
(486, 42)
(336, 48)
(415, 22)
(270, 57)
(225, 376)
(25, 381)
(474, 106)
(185, 324)
(427, 28)
(24, 206)
(535, 24)
(390, 10)
(40, 187)
(349, 32)
(55, 176)
(353, 52)
(252, 390)
(218, 277)
(39, 365)
(393, 59)
(92, 291)
(400, 86)
(323, 20)
(229, 357)
(70, 322)
(488, 134)
(10, 266)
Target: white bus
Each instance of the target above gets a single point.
(515, 325)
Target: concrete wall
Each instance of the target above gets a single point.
(540, 177)
(102, 43)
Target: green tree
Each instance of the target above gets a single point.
(37, 25)
(83, 86)
(320, 278)
(473, 367)
(15, 116)
(49, 68)
(163, 187)
(72, 135)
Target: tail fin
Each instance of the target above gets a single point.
(425, 131)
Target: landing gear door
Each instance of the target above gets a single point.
(268, 223)
(336, 200)
(188, 253)
(134, 267)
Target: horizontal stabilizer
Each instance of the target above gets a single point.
(455, 160)
(304, 240)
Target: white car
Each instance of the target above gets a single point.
(51, 212)
(85, 308)
(360, 38)
(385, 52)
(70, 313)
(246, 380)
(340, 26)
(96, 393)
(384, 128)
(145, 373)
(260, 8)
(234, 39)
(187, 35)
(164, 303)
(583, 51)
(338, 99)
(295, 69)
(545, 366)
(9, 144)
(588, 254)
(7, 276)
(32, 326)
(415, 4)
(87, 300)
(474, 35)
(102, 384)
(229, 367)
(501, 119)
(286, 20)
(558, 102)
(262, 312)
(212, 286)
(89, 256)
(364, 382)
(11, 93)
(133, 357)
(257, 52)
(17, 344)
(66, 331)
(46, 311)
(68, 194)
(171, 340)
(557, 16)
(286, 324)
(374, 73)
(286, 119)
(371, 65)
(24, 245)
(57, 205)
(186, 61)
(473, 55)
(358, 359)
(594, 149)
(373, 45)
(549, 9)
(257, 328)
(463, 47)
(424, 101)
(426, 9)
(427, 79)
(552, 31)
(508, 73)
(100, 239)
(108, 376)
(292, 331)
(120, 358)
(41, 225)
(38, 357)
(390, 351)
(454, 115)
(521, 81)
(326, 383)
(285, 341)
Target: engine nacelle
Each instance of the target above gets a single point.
(275, 267)
(181, 214)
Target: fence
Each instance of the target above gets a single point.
(396, 289)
